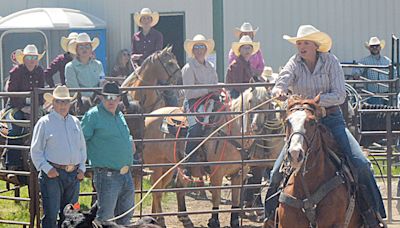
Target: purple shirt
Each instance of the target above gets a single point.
(239, 71)
(22, 80)
(256, 61)
(146, 45)
(58, 64)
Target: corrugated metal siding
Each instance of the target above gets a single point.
(349, 23)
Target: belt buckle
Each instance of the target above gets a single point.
(70, 168)
(124, 170)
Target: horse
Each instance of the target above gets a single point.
(155, 153)
(160, 66)
(315, 193)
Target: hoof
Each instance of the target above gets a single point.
(161, 221)
(213, 223)
(235, 223)
(187, 223)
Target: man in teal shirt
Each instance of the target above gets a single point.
(110, 151)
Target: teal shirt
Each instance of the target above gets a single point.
(78, 75)
(108, 140)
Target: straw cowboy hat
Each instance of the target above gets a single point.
(309, 32)
(82, 38)
(245, 40)
(374, 41)
(65, 40)
(269, 75)
(146, 12)
(199, 39)
(59, 93)
(30, 49)
(246, 27)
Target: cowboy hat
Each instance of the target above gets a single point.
(59, 93)
(269, 75)
(374, 41)
(146, 12)
(82, 38)
(111, 88)
(198, 39)
(245, 40)
(309, 32)
(246, 27)
(65, 40)
(30, 49)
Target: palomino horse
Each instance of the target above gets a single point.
(160, 66)
(216, 150)
(315, 194)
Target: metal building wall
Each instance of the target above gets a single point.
(349, 22)
(117, 14)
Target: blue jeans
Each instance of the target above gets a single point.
(377, 100)
(194, 130)
(14, 156)
(349, 146)
(56, 194)
(115, 194)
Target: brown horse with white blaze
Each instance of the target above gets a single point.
(315, 194)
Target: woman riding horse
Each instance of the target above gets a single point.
(312, 71)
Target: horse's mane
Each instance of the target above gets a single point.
(260, 93)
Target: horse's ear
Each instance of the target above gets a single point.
(317, 98)
(169, 49)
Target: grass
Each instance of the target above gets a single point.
(9, 210)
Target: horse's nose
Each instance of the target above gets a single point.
(296, 154)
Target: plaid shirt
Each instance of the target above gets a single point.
(373, 75)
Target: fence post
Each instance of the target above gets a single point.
(389, 164)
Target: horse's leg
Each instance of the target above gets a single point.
(216, 180)
(180, 195)
(157, 196)
(236, 180)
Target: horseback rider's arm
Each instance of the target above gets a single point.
(38, 146)
(71, 79)
(337, 91)
(14, 86)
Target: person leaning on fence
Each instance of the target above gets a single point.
(84, 71)
(312, 71)
(256, 60)
(123, 66)
(147, 41)
(58, 151)
(374, 45)
(197, 71)
(110, 151)
(239, 71)
(58, 64)
(24, 77)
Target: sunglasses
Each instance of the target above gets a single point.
(31, 57)
(125, 54)
(111, 97)
(85, 47)
(199, 46)
(57, 101)
(374, 46)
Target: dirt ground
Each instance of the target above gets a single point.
(196, 204)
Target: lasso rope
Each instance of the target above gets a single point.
(187, 156)
(11, 113)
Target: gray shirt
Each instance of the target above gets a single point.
(327, 79)
(195, 73)
(58, 140)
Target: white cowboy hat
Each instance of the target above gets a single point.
(246, 27)
(59, 93)
(245, 40)
(30, 49)
(269, 75)
(82, 38)
(309, 32)
(374, 41)
(146, 12)
(65, 40)
(198, 39)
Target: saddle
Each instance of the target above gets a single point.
(176, 126)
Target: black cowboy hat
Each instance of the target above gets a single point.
(111, 88)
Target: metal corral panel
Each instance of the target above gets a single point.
(349, 23)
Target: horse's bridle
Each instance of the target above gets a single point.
(170, 75)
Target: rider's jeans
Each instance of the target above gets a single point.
(350, 147)
(195, 130)
(14, 156)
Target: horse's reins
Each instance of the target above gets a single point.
(188, 155)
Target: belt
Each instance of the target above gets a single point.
(122, 171)
(67, 168)
(331, 110)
